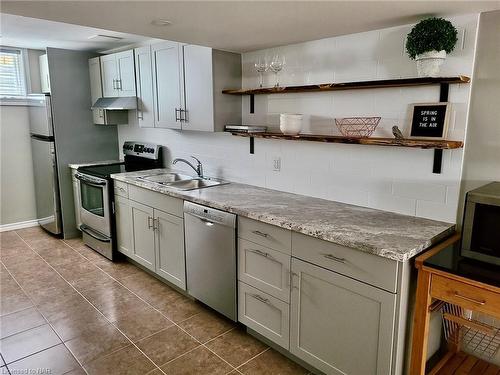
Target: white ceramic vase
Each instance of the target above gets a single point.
(290, 123)
(429, 63)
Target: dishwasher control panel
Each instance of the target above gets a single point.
(210, 214)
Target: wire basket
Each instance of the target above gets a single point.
(357, 127)
(472, 332)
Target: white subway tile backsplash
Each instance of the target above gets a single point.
(387, 178)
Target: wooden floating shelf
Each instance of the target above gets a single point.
(400, 82)
(415, 143)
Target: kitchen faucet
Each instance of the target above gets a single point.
(198, 169)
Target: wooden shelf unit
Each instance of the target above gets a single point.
(414, 143)
(457, 363)
(399, 82)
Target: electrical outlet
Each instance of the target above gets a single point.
(276, 164)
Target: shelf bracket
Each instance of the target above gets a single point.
(252, 103)
(438, 161)
(252, 145)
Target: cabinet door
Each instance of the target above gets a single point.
(198, 83)
(44, 74)
(144, 83)
(144, 236)
(340, 325)
(96, 88)
(124, 235)
(170, 256)
(126, 73)
(167, 84)
(109, 75)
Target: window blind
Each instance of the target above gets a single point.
(12, 81)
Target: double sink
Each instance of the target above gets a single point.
(181, 181)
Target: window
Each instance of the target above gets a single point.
(12, 80)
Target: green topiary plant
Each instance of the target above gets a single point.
(431, 34)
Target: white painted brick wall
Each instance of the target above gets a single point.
(393, 179)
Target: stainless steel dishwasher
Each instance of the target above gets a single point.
(210, 237)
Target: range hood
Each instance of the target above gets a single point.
(116, 103)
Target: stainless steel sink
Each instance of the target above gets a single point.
(166, 178)
(181, 181)
(196, 183)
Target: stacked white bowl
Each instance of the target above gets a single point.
(290, 123)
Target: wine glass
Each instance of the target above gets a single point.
(261, 67)
(277, 63)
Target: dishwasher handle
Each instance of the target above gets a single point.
(210, 215)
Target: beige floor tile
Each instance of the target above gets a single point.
(32, 233)
(198, 361)
(78, 323)
(28, 342)
(119, 270)
(60, 255)
(236, 346)
(46, 244)
(75, 271)
(53, 293)
(272, 362)
(167, 345)
(126, 361)
(94, 344)
(141, 322)
(54, 361)
(207, 325)
(14, 302)
(20, 321)
(156, 371)
(76, 371)
(180, 309)
(93, 280)
(55, 309)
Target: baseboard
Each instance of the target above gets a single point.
(19, 225)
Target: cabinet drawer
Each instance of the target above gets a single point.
(264, 314)
(371, 269)
(121, 188)
(264, 268)
(265, 234)
(171, 205)
(465, 295)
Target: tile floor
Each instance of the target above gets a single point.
(64, 309)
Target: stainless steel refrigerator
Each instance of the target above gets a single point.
(48, 204)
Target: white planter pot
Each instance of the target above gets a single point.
(429, 63)
(290, 124)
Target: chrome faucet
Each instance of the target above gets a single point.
(198, 169)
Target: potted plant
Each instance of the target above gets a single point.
(429, 42)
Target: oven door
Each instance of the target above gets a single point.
(94, 203)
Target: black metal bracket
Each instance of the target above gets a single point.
(252, 103)
(444, 90)
(252, 145)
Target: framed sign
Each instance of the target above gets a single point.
(429, 120)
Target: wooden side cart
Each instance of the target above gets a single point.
(467, 293)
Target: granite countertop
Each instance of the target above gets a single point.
(92, 163)
(390, 235)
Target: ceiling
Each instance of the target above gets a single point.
(242, 25)
(35, 33)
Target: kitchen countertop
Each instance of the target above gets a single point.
(92, 163)
(390, 235)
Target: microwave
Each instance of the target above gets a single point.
(481, 225)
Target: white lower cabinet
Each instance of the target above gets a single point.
(123, 217)
(152, 237)
(340, 325)
(264, 313)
(170, 255)
(143, 251)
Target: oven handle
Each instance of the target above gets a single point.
(93, 234)
(90, 180)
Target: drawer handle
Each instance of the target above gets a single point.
(262, 299)
(121, 189)
(259, 233)
(334, 258)
(261, 253)
(478, 302)
(150, 222)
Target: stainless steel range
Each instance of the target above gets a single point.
(96, 194)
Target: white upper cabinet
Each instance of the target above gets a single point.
(96, 89)
(44, 74)
(186, 82)
(144, 83)
(118, 74)
(167, 81)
